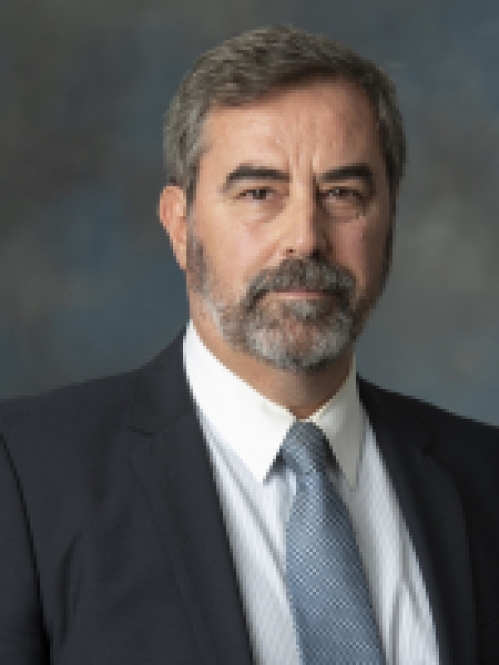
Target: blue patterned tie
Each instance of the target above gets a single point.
(326, 581)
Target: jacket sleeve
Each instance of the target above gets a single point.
(22, 636)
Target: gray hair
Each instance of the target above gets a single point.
(247, 67)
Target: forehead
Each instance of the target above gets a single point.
(325, 120)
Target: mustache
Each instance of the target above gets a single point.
(308, 274)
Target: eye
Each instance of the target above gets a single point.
(257, 194)
(344, 204)
(345, 194)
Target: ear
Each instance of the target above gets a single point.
(172, 211)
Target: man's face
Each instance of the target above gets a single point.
(287, 233)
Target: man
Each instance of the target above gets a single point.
(162, 516)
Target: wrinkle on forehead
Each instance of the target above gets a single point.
(308, 129)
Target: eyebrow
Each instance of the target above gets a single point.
(252, 172)
(359, 171)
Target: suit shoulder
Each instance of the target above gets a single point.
(58, 449)
(72, 408)
(61, 442)
(436, 419)
(466, 449)
(78, 423)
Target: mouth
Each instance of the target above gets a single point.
(297, 281)
(297, 293)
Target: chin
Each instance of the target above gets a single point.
(299, 348)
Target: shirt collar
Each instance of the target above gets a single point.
(254, 427)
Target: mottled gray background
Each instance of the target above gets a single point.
(88, 285)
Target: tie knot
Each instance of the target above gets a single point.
(304, 449)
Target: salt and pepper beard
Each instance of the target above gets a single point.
(302, 335)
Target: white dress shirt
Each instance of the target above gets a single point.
(244, 432)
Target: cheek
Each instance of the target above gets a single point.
(234, 255)
(362, 249)
(246, 249)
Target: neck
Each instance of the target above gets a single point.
(301, 393)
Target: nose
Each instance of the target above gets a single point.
(303, 230)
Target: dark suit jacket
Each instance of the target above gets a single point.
(113, 548)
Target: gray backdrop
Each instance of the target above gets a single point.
(88, 285)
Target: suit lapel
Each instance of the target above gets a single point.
(170, 458)
(432, 510)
